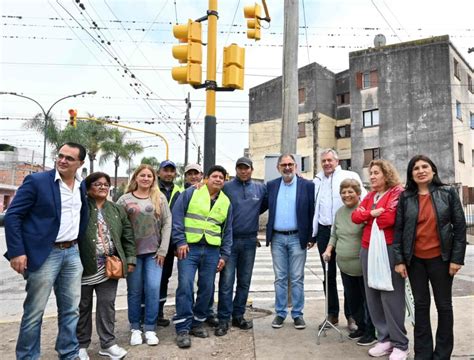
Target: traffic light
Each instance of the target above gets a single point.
(189, 54)
(73, 117)
(233, 72)
(253, 12)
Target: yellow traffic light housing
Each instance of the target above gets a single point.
(73, 117)
(234, 63)
(189, 53)
(253, 12)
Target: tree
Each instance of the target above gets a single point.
(116, 149)
(90, 134)
(151, 160)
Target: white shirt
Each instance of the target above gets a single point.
(70, 209)
(325, 203)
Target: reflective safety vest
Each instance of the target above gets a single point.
(176, 190)
(201, 220)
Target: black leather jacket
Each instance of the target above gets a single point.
(450, 222)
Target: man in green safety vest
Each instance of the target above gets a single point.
(166, 177)
(202, 234)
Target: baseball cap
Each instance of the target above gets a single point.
(244, 161)
(166, 163)
(196, 167)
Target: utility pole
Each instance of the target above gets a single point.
(210, 118)
(186, 132)
(289, 125)
(199, 155)
(315, 125)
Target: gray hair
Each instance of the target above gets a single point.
(285, 155)
(330, 151)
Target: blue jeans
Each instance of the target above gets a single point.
(241, 261)
(288, 262)
(62, 271)
(146, 278)
(203, 259)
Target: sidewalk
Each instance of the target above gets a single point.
(263, 342)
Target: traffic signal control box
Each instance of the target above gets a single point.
(234, 63)
(190, 53)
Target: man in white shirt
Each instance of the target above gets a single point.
(327, 202)
(42, 226)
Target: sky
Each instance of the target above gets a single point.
(52, 48)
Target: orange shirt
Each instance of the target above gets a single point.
(427, 244)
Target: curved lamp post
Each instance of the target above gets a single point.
(46, 113)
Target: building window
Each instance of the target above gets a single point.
(301, 129)
(345, 164)
(456, 69)
(367, 79)
(301, 95)
(343, 99)
(371, 118)
(371, 154)
(460, 152)
(469, 84)
(343, 131)
(472, 120)
(458, 110)
(305, 164)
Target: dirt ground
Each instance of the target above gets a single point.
(237, 344)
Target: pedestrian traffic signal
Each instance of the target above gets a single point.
(253, 13)
(189, 54)
(73, 117)
(233, 72)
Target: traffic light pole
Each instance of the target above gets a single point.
(210, 120)
(130, 128)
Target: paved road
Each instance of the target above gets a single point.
(261, 292)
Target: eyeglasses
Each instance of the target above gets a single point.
(66, 157)
(99, 185)
(289, 165)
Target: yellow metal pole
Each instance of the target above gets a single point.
(130, 128)
(211, 57)
(210, 119)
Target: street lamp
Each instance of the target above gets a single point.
(46, 113)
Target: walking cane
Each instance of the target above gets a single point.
(326, 309)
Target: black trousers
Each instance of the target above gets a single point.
(322, 239)
(355, 291)
(436, 272)
(165, 278)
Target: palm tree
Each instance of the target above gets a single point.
(87, 133)
(117, 148)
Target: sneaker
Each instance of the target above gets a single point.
(277, 322)
(162, 322)
(136, 338)
(212, 321)
(183, 340)
(398, 354)
(151, 338)
(222, 328)
(241, 323)
(83, 355)
(381, 349)
(114, 352)
(367, 340)
(332, 319)
(351, 324)
(356, 335)
(199, 332)
(299, 323)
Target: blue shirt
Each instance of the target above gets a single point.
(248, 202)
(285, 213)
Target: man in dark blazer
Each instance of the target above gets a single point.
(289, 230)
(42, 226)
